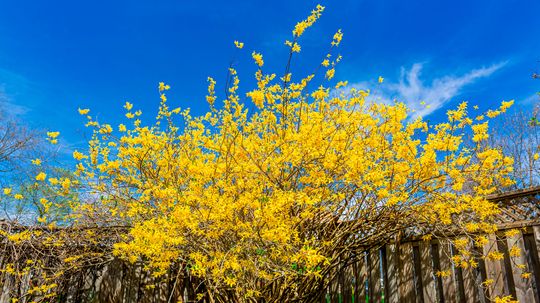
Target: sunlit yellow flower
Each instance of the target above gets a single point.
(41, 176)
(238, 44)
(258, 59)
(128, 106)
(162, 87)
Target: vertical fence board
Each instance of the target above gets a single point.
(375, 276)
(391, 292)
(448, 281)
(534, 263)
(406, 282)
(469, 283)
(361, 275)
(494, 268)
(428, 282)
(535, 249)
(524, 291)
(348, 283)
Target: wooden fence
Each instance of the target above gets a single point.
(407, 272)
(397, 272)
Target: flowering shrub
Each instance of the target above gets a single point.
(265, 203)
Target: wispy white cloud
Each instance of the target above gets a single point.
(8, 107)
(413, 90)
(531, 100)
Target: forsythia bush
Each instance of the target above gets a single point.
(269, 190)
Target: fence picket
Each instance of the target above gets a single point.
(494, 268)
(391, 292)
(375, 288)
(524, 290)
(361, 277)
(406, 282)
(469, 283)
(448, 281)
(428, 283)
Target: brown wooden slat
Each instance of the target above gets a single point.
(524, 290)
(375, 276)
(494, 268)
(406, 282)
(469, 282)
(392, 260)
(449, 282)
(360, 295)
(428, 283)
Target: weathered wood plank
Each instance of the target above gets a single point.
(448, 279)
(494, 268)
(406, 282)
(392, 271)
(428, 283)
(348, 283)
(536, 235)
(375, 288)
(469, 283)
(362, 278)
(524, 290)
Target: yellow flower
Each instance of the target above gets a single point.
(301, 26)
(18, 196)
(426, 237)
(325, 63)
(53, 135)
(257, 97)
(506, 105)
(258, 58)
(128, 106)
(83, 111)
(381, 79)
(337, 38)
(511, 233)
(341, 84)
(41, 176)
(162, 87)
(238, 44)
(78, 155)
(36, 162)
(122, 128)
(330, 73)
(515, 251)
(320, 94)
(7, 191)
(295, 48)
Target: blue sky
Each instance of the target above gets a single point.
(56, 56)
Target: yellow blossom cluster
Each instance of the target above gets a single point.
(245, 196)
